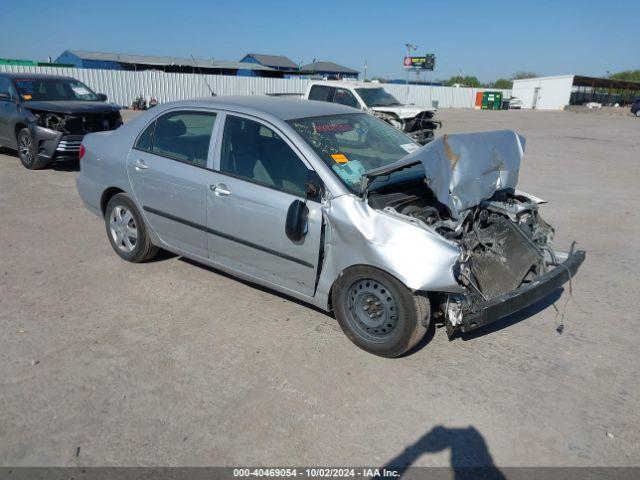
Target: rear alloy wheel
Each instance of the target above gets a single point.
(378, 313)
(638, 113)
(126, 230)
(27, 151)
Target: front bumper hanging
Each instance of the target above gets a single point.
(483, 313)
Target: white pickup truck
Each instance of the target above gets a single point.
(417, 122)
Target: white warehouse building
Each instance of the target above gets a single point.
(556, 93)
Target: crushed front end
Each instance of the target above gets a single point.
(506, 263)
(468, 197)
(59, 135)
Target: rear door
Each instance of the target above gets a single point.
(259, 175)
(168, 172)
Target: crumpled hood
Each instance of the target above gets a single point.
(464, 169)
(71, 106)
(404, 111)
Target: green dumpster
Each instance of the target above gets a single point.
(491, 100)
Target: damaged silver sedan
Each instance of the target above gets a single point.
(333, 207)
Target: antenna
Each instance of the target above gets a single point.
(204, 77)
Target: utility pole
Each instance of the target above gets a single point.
(410, 47)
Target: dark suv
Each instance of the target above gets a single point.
(45, 117)
(635, 107)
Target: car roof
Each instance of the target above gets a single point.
(35, 75)
(342, 83)
(281, 108)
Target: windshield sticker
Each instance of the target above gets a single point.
(332, 127)
(80, 90)
(339, 158)
(410, 147)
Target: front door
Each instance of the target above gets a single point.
(168, 172)
(259, 177)
(8, 111)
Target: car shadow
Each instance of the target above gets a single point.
(65, 166)
(60, 166)
(469, 454)
(257, 286)
(516, 317)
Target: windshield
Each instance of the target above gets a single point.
(351, 144)
(377, 97)
(51, 89)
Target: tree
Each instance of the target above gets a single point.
(523, 74)
(468, 81)
(502, 83)
(631, 75)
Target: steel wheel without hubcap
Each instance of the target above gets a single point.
(371, 310)
(123, 229)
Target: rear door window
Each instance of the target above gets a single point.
(145, 140)
(182, 136)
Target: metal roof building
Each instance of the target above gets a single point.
(558, 92)
(125, 61)
(277, 62)
(330, 70)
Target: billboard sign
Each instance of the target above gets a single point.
(425, 62)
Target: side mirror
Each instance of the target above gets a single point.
(102, 97)
(5, 97)
(311, 190)
(296, 225)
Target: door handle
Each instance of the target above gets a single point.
(140, 165)
(220, 190)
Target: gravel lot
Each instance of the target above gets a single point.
(170, 363)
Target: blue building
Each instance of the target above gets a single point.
(330, 71)
(124, 61)
(276, 62)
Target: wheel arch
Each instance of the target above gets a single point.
(358, 265)
(107, 195)
(18, 127)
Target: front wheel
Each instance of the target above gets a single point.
(378, 313)
(27, 151)
(638, 113)
(127, 231)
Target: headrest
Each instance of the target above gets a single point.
(171, 128)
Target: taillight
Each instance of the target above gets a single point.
(81, 152)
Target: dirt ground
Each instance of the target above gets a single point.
(171, 363)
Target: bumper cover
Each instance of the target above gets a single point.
(489, 311)
(52, 145)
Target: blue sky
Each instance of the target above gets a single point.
(489, 39)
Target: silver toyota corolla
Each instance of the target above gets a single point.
(331, 206)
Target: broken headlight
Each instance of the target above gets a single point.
(52, 121)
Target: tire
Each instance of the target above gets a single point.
(27, 153)
(378, 313)
(127, 231)
(638, 113)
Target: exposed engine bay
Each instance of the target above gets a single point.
(79, 124)
(504, 242)
(462, 187)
